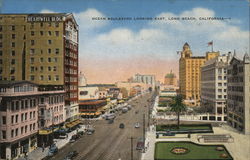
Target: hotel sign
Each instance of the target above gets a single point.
(45, 18)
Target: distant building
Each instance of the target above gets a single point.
(82, 80)
(238, 94)
(190, 74)
(147, 79)
(26, 117)
(214, 87)
(42, 48)
(170, 79)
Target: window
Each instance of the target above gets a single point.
(57, 50)
(32, 77)
(1, 61)
(13, 36)
(30, 127)
(32, 69)
(16, 118)
(21, 130)
(32, 42)
(34, 126)
(32, 51)
(26, 115)
(1, 28)
(32, 33)
(57, 78)
(49, 33)
(49, 50)
(54, 68)
(12, 119)
(49, 77)
(22, 117)
(49, 68)
(4, 134)
(1, 52)
(3, 119)
(57, 33)
(55, 59)
(1, 44)
(1, 36)
(12, 133)
(30, 115)
(13, 53)
(13, 61)
(13, 44)
(41, 77)
(41, 68)
(16, 131)
(49, 41)
(41, 24)
(26, 127)
(41, 59)
(32, 60)
(13, 28)
(41, 33)
(49, 59)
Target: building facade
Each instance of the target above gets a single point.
(147, 79)
(41, 48)
(214, 87)
(22, 116)
(170, 79)
(190, 74)
(238, 101)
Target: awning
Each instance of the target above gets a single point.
(91, 114)
(73, 123)
(47, 131)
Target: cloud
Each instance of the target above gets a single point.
(47, 11)
(85, 21)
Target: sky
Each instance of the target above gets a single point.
(114, 50)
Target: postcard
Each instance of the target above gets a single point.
(124, 79)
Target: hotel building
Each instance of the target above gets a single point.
(190, 74)
(42, 48)
(214, 87)
(170, 79)
(238, 101)
(24, 112)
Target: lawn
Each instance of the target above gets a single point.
(193, 128)
(194, 151)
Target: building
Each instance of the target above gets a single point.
(214, 87)
(170, 79)
(42, 48)
(91, 108)
(238, 101)
(147, 79)
(24, 112)
(190, 74)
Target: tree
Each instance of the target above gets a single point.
(177, 106)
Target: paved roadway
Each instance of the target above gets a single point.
(109, 142)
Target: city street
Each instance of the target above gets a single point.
(109, 141)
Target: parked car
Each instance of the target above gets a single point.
(80, 133)
(71, 155)
(90, 131)
(121, 125)
(137, 125)
(74, 138)
(140, 144)
(52, 150)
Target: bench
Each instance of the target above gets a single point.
(223, 138)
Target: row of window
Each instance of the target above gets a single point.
(32, 26)
(33, 69)
(42, 77)
(23, 104)
(33, 51)
(32, 43)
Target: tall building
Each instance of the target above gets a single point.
(24, 112)
(214, 87)
(190, 74)
(41, 48)
(147, 79)
(238, 101)
(170, 79)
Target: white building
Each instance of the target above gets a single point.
(238, 102)
(147, 79)
(214, 87)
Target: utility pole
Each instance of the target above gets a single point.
(148, 115)
(144, 131)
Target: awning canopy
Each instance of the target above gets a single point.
(73, 123)
(91, 114)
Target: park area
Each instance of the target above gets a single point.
(185, 128)
(190, 151)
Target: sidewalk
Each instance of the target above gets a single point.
(39, 153)
(149, 144)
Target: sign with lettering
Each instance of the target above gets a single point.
(44, 18)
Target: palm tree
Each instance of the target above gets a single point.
(177, 106)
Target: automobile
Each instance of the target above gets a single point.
(168, 134)
(140, 144)
(121, 125)
(74, 138)
(111, 121)
(52, 150)
(71, 155)
(80, 133)
(90, 131)
(137, 125)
